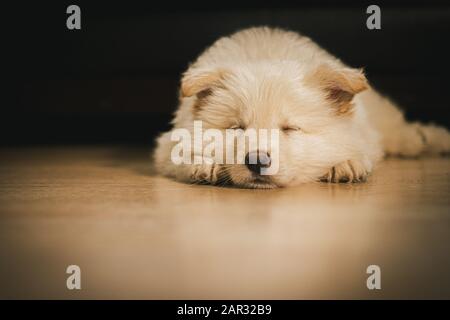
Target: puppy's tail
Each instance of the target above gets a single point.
(401, 137)
(436, 139)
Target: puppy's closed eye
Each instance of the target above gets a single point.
(290, 128)
(237, 126)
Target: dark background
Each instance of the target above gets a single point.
(116, 80)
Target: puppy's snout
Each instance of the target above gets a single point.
(256, 160)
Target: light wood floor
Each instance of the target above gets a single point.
(137, 235)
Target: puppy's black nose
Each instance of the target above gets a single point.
(256, 160)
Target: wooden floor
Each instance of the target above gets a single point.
(137, 235)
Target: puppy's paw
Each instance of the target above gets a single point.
(206, 173)
(346, 172)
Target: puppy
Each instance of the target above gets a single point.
(333, 126)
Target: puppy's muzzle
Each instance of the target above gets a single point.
(256, 160)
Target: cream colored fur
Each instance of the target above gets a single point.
(335, 126)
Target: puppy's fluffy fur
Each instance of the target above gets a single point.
(335, 127)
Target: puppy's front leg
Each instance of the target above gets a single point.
(348, 171)
(203, 173)
(207, 172)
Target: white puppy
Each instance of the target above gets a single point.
(333, 126)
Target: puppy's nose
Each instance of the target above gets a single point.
(256, 160)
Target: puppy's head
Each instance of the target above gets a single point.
(310, 107)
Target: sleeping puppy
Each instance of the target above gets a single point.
(332, 125)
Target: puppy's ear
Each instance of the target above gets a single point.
(340, 84)
(198, 81)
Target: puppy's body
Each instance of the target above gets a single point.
(334, 126)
